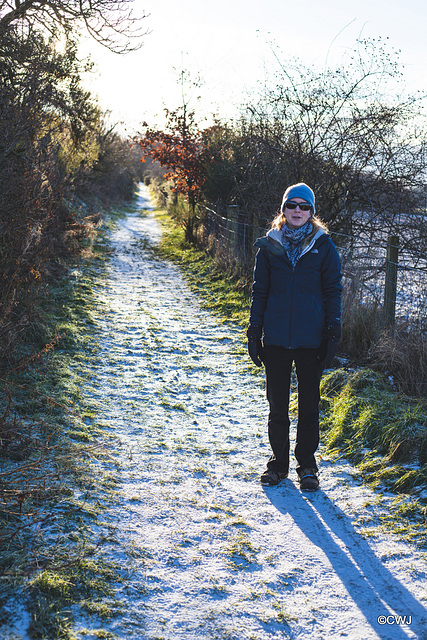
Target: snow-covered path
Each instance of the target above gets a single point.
(205, 551)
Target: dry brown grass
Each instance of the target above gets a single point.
(402, 353)
(361, 321)
(399, 351)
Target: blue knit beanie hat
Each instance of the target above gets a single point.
(299, 190)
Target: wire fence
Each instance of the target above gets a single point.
(375, 269)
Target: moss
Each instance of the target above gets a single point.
(82, 579)
(241, 553)
(50, 583)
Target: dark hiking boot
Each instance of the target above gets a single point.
(271, 477)
(308, 480)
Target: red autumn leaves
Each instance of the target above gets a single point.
(179, 150)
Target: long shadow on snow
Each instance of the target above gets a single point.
(371, 585)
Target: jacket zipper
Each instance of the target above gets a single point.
(306, 250)
(291, 308)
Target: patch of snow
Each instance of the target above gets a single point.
(18, 621)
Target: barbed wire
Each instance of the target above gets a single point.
(380, 244)
(364, 261)
(226, 224)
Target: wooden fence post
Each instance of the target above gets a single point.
(390, 287)
(232, 221)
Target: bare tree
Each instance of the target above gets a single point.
(112, 23)
(351, 132)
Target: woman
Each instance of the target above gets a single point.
(295, 310)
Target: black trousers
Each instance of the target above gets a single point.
(278, 366)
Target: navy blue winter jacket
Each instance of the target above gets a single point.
(294, 305)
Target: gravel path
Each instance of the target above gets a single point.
(205, 551)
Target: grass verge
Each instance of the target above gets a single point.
(223, 293)
(55, 464)
(383, 433)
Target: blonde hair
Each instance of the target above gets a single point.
(280, 220)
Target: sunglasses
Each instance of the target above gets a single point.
(294, 205)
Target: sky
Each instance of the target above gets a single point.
(227, 43)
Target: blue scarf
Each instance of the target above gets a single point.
(292, 240)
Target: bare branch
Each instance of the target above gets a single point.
(112, 23)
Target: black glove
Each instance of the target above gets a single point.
(255, 349)
(329, 346)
